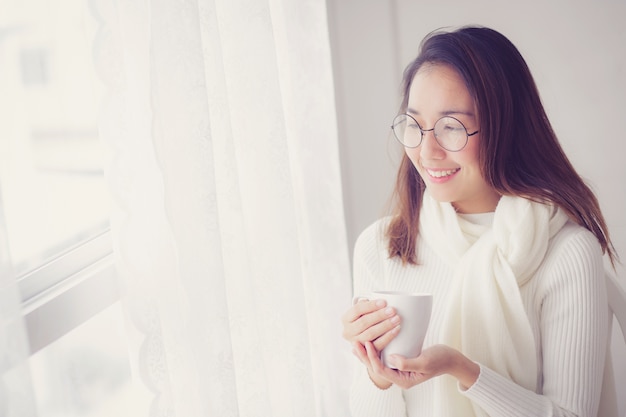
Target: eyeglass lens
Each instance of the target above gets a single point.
(449, 132)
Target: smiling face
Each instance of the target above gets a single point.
(437, 91)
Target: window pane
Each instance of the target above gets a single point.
(86, 373)
(51, 159)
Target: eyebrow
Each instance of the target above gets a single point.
(444, 113)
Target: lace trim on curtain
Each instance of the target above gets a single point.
(149, 362)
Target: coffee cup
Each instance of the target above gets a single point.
(414, 310)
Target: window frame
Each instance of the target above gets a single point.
(68, 290)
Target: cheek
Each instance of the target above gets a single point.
(472, 150)
(468, 157)
(413, 155)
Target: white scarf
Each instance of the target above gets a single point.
(485, 318)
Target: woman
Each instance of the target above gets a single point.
(492, 219)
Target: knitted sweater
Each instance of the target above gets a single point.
(566, 304)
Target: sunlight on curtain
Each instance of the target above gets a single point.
(228, 218)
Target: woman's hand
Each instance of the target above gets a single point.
(434, 361)
(370, 321)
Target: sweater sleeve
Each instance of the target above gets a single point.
(574, 335)
(366, 399)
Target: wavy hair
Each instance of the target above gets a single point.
(519, 153)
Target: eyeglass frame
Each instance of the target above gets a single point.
(423, 131)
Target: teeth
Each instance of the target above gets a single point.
(439, 174)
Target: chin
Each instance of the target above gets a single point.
(439, 196)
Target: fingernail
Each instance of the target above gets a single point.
(395, 319)
(389, 311)
(380, 303)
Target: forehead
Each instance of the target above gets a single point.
(439, 89)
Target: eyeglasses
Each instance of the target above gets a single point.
(449, 132)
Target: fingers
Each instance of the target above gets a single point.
(398, 362)
(367, 354)
(394, 376)
(379, 330)
(371, 322)
(381, 342)
(373, 356)
(359, 351)
(361, 308)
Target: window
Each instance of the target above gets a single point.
(56, 204)
(86, 372)
(51, 171)
(34, 66)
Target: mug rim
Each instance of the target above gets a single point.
(409, 294)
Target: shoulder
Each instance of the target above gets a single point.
(373, 236)
(574, 241)
(574, 258)
(369, 255)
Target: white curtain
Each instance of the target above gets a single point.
(228, 219)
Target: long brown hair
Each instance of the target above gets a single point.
(519, 152)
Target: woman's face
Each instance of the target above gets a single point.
(454, 177)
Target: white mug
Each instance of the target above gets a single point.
(414, 310)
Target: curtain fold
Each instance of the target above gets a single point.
(228, 218)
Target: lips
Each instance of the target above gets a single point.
(442, 173)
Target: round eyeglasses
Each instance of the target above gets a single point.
(449, 132)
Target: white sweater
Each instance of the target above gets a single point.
(566, 304)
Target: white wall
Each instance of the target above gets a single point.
(575, 49)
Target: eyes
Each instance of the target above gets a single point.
(413, 126)
(449, 132)
(452, 127)
(447, 126)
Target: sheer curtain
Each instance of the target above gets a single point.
(228, 218)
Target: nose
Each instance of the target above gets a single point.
(430, 148)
